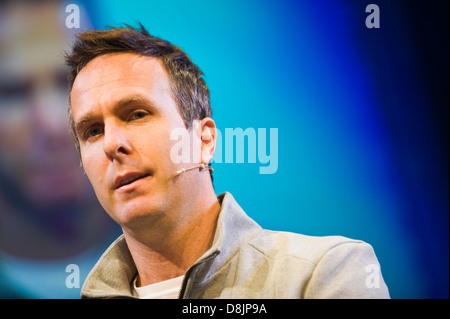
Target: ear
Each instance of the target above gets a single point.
(209, 138)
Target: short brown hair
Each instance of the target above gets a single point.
(188, 87)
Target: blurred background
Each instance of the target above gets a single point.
(362, 119)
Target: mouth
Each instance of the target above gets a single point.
(128, 179)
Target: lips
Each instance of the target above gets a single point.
(128, 178)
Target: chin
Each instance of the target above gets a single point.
(137, 213)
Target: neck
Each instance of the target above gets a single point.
(167, 252)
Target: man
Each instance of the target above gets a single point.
(129, 92)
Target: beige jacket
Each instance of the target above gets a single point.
(246, 261)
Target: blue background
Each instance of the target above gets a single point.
(362, 117)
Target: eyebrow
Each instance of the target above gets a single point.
(91, 116)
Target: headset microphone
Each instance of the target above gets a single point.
(201, 167)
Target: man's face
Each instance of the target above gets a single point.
(124, 113)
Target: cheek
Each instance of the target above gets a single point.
(95, 172)
(100, 188)
(181, 147)
(154, 145)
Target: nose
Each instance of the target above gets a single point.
(116, 142)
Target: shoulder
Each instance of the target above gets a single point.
(310, 248)
(329, 266)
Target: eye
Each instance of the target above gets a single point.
(138, 115)
(94, 131)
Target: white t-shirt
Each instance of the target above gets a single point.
(168, 289)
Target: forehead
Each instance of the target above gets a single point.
(109, 79)
(120, 69)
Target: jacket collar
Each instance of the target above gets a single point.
(113, 274)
